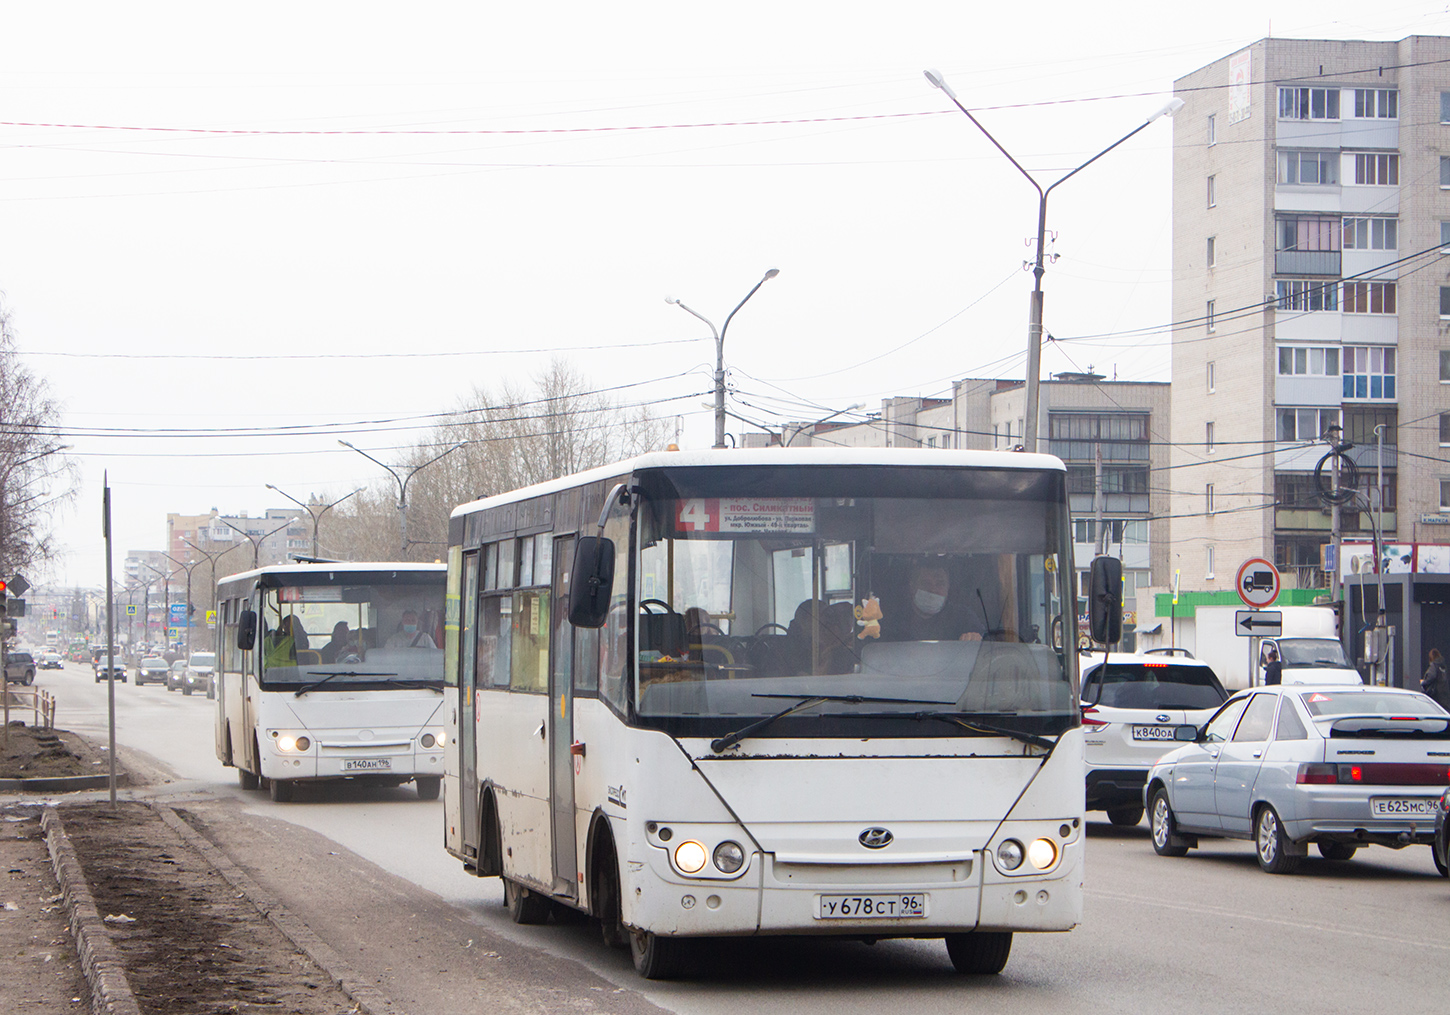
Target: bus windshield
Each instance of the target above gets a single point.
(336, 637)
(950, 605)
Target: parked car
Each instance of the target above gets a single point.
(199, 672)
(117, 671)
(151, 670)
(19, 668)
(1441, 846)
(1289, 765)
(1130, 709)
(51, 661)
(175, 675)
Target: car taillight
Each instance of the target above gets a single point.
(1445, 801)
(1088, 711)
(1374, 774)
(1318, 775)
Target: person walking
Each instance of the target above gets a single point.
(1434, 682)
(1273, 667)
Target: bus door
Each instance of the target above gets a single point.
(467, 708)
(249, 684)
(561, 710)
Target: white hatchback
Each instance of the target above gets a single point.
(1130, 707)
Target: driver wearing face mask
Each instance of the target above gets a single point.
(410, 635)
(932, 616)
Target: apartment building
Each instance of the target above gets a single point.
(270, 537)
(1311, 206)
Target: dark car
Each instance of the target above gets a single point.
(51, 661)
(176, 675)
(151, 670)
(19, 668)
(1441, 846)
(117, 672)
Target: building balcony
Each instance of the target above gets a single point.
(1320, 326)
(1307, 262)
(1115, 504)
(1135, 555)
(1366, 456)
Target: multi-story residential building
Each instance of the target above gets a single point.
(1311, 206)
(277, 533)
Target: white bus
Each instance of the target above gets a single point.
(775, 692)
(331, 671)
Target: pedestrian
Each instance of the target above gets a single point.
(1433, 682)
(1273, 667)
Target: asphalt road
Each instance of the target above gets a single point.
(1206, 933)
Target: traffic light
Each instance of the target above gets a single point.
(4, 586)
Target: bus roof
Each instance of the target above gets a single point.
(343, 567)
(783, 457)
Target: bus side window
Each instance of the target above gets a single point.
(614, 636)
(494, 642)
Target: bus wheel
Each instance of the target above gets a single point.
(604, 894)
(525, 906)
(281, 790)
(247, 779)
(981, 953)
(658, 958)
(428, 786)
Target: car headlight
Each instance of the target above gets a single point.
(1009, 855)
(690, 857)
(729, 857)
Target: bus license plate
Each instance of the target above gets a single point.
(1152, 732)
(1408, 807)
(870, 907)
(367, 765)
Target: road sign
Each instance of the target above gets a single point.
(130, 610)
(1257, 583)
(178, 613)
(1258, 623)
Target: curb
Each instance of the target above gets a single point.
(368, 999)
(100, 960)
(59, 784)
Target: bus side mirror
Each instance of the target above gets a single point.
(247, 630)
(591, 581)
(1105, 603)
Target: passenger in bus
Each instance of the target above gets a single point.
(283, 643)
(410, 635)
(343, 647)
(821, 638)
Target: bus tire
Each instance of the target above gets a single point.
(490, 842)
(247, 779)
(428, 786)
(604, 890)
(658, 958)
(525, 906)
(281, 790)
(980, 953)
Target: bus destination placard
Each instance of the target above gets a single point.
(746, 514)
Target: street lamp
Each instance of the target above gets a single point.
(1034, 311)
(720, 352)
(797, 431)
(212, 556)
(316, 515)
(187, 566)
(402, 482)
(256, 541)
(166, 592)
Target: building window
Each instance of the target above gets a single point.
(1129, 531)
(1382, 103)
(1445, 236)
(1210, 251)
(1208, 435)
(1308, 361)
(1369, 372)
(1445, 366)
(1208, 315)
(1445, 107)
(1076, 436)
(1210, 377)
(1305, 424)
(1208, 561)
(1309, 168)
(1445, 429)
(1309, 103)
(1371, 298)
(1445, 495)
(1208, 497)
(1379, 170)
(1373, 233)
(1444, 313)
(1213, 128)
(1444, 171)
(1212, 197)
(1307, 232)
(1305, 294)
(1360, 422)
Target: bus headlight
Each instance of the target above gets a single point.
(690, 857)
(1042, 854)
(729, 857)
(1009, 855)
(288, 744)
(428, 741)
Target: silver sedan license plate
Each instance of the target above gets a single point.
(870, 907)
(1403, 807)
(1152, 732)
(368, 765)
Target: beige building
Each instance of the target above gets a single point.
(1310, 207)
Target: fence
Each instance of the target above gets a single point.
(40, 703)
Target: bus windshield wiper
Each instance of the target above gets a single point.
(976, 726)
(805, 701)
(340, 673)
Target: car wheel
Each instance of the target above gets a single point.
(525, 906)
(1337, 850)
(1164, 826)
(1125, 817)
(186, 690)
(980, 953)
(1270, 843)
(658, 958)
(281, 790)
(1440, 864)
(428, 786)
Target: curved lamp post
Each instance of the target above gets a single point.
(797, 431)
(720, 352)
(1034, 312)
(316, 515)
(212, 556)
(256, 541)
(402, 482)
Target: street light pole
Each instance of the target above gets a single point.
(402, 482)
(1034, 308)
(797, 431)
(720, 352)
(212, 557)
(187, 567)
(316, 515)
(256, 541)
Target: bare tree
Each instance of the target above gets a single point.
(35, 477)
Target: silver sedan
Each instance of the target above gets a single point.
(1286, 766)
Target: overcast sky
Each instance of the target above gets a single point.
(341, 217)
